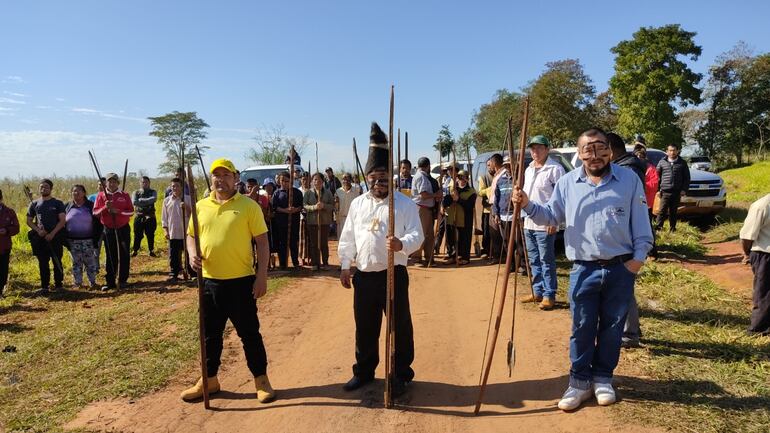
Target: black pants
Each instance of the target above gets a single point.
(111, 249)
(175, 258)
(669, 203)
(144, 226)
(760, 312)
(486, 237)
(50, 254)
(279, 242)
(654, 251)
(495, 240)
(369, 296)
(4, 260)
(313, 243)
(463, 241)
(234, 300)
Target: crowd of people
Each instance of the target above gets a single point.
(604, 210)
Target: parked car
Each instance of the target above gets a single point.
(706, 197)
(260, 172)
(700, 163)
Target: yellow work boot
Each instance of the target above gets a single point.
(547, 304)
(196, 391)
(265, 392)
(530, 299)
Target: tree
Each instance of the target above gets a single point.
(490, 121)
(273, 145)
(738, 100)
(445, 142)
(650, 77)
(604, 112)
(178, 134)
(560, 101)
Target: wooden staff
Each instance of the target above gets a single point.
(358, 166)
(319, 195)
(115, 266)
(289, 216)
(457, 205)
(185, 274)
(508, 263)
(389, 313)
(398, 170)
(201, 318)
(406, 145)
(125, 175)
(476, 244)
(203, 169)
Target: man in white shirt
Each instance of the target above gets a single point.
(173, 228)
(344, 197)
(755, 239)
(540, 177)
(364, 240)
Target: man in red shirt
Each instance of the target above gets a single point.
(114, 209)
(9, 227)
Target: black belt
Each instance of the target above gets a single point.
(609, 262)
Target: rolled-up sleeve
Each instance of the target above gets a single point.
(551, 213)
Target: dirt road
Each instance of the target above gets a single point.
(722, 264)
(308, 330)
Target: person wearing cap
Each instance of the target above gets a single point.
(365, 241)
(319, 205)
(458, 204)
(540, 178)
(114, 209)
(9, 227)
(145, 224)
(283, 211)
(174, 227)
(228, 223)
(446, 183)
(343, 197)
(607, 236)
(425, 193)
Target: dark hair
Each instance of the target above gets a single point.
(285, 174)
(48, 181)
(616, 143)
(80, 187)
(251, 180)
(329, 169)
(347, 176)
(592, 132)
(423, 162)
(407, 162)
(147, 178)
(319, 174)
(176, 180)
(674, 145)
(497, 158)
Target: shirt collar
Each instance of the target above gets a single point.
(213, 199)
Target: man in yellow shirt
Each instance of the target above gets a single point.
(228, 221)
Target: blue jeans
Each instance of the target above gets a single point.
(541, 248)
(599, 298)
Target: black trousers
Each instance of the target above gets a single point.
(463, 241)
(486, 237)
(495, 240)
(760, 312)
(279, 242)
(669, 203)
(176, 257)
(234, 300)
(5, 258)
(50, 254)
(313, 243)
(111, 249)
(369, 297)
(144, 226)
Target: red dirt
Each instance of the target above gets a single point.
(309, 333)
(723, 266)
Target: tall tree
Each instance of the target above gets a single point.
(273, 145)
(490, 120)
(178, 134)
(445, 142)
(649, 77)
(560, 101)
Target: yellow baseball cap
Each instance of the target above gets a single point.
(222, 162)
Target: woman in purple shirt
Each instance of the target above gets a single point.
(83, 232)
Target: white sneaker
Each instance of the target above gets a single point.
(573, 398)
(605, 394)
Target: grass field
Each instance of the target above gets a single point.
(747, 184)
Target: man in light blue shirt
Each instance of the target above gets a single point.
(607, 236)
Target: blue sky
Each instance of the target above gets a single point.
(81, 75)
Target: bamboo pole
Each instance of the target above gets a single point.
(389, 313)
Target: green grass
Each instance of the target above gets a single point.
(684, 243)
(699, 370)
(747, 184)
